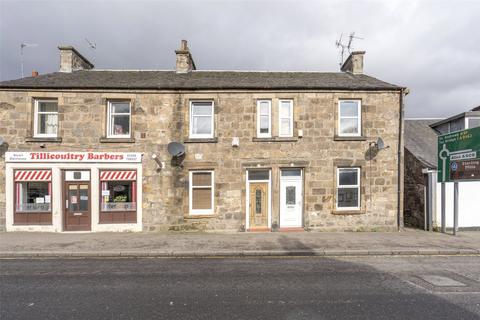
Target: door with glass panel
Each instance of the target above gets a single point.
(258, 205)
(77, 206)
(291, 198)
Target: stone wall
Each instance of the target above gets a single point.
(414, 184)
(161, 117)
(71, 60)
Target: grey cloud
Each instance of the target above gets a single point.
(429, 46)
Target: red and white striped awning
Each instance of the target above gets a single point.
(33, 175)
(118, 175)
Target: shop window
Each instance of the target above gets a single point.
(348, 188)
(33, 197)
(45, 120)
(201, 192)
(264, 118)
(119, 119)
(118, 198)
(201, 119)
(286, 118)
(349, 118)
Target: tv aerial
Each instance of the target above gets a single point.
(93, 46)
(24, 45)
(345, 47)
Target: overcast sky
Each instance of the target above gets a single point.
(431, 47)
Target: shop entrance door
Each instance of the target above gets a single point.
(77, 210)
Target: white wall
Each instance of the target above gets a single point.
(468, 204)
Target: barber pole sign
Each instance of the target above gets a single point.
(33, 175)
(118, 175)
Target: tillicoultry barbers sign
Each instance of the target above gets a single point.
(459, 156)
(73, 156)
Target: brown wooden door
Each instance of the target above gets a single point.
(77, 206)
(258, 205)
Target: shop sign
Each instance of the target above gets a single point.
(82, 157)
(459, 156)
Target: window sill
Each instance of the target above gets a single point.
(117, 140)
(342, 138)
(34, 224)
(118, 222)
(347, 212)
(30, 212)
(200, 216)
(201, 140)
(276, 139)
(43, 139)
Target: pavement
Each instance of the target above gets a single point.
(406, 242)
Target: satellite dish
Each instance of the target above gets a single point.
(176, 149)
(380, 144)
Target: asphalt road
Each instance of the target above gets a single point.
(280, 288)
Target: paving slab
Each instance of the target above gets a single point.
(406, 242)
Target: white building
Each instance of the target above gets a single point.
(423, 194)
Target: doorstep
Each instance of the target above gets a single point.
(261, 229)
(292, 229)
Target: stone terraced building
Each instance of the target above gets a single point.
(87, 149)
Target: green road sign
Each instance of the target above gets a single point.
(459, 156)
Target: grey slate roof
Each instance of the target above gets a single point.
(421, 141)
(198, 80)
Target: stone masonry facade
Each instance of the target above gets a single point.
(162, 116)
(415, 183)
(159, 118)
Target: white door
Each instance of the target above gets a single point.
(291, 198)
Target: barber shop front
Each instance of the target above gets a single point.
(73, 191)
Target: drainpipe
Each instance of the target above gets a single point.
(403, 91)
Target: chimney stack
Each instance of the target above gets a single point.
(34, 73)
(354, 63)
(72, 60)
(184, 61)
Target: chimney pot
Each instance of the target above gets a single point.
(183, 45)
(34, 73)
(184, 59)
(72, 60)
(354, 63)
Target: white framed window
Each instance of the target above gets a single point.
(349, 118)
(473, 122)
(348, 188)
(285, 119)
(264, 118)
(201, 119)
(201, 192)
(45, 123)
(119, 119)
